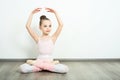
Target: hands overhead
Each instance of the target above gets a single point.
(36, 10)
(50, 10)
(40, 9)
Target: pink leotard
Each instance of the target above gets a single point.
(45, 46)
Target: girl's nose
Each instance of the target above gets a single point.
(48, 27)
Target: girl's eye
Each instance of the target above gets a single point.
(49, 25)
(45, 25)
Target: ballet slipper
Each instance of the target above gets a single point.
(31, 62)
(55, 62)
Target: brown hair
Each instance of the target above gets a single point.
(43, 17)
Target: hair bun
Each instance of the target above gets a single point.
(42, 17)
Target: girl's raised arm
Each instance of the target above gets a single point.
(28, 24)
(60, 24)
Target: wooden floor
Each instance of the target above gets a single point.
(79, 70)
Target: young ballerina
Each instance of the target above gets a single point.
(45, 44)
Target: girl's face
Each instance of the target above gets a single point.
(46, 27)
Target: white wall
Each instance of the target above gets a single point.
(91, 28)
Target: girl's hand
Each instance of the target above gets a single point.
(36, 10)
(50, 10)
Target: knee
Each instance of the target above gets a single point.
(60, 68)
(65, 69)
(25, 68)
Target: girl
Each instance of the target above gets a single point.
(45, 44)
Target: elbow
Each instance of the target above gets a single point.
(61, 25)
(27, 27)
